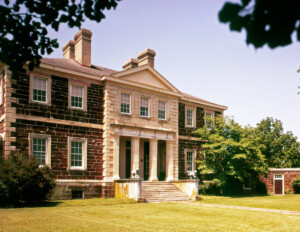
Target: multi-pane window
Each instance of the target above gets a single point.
(76, 154)
(39, 90)
(208, 120)
(144, 107)
(125, 103)
(189, 161)
(161, 110)
(189, 117)
(39, 149)
(77, 93)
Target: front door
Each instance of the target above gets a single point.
(161, 160)
(278, 184)
(146, 160)
(128, 159)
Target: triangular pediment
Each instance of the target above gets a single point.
(148, 76)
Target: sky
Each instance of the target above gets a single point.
(200, 56)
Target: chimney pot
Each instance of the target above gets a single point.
(129, 64)
(146, 57)
(83, 47)
(69, 50)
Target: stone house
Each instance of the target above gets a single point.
(94, 126)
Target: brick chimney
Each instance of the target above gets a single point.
(146, 57)
(83, 47)
(69, 50)
(129, 64)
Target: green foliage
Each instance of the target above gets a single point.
(231, 155)
(23, 181)
(296, 184)
(23, 26)
(210, 187)
(281, 150)
(270, 22)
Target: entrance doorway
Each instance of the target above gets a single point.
(278, 184)
(146, 160)
(161, 160)
(128, 159)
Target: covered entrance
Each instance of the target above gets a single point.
(151, 154)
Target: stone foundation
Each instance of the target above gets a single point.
(130, 189)
(189, 187)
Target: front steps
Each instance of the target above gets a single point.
(162, 192)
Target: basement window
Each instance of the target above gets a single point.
(77, 194)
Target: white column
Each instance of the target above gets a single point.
(135, 153)
(169, 161)
(116, 169)
(153, 160)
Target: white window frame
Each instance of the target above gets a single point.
(48, 146)
(84, 96)
(165, 110)
(194, 152)
(278, 177)
(149, 101)
(125, 103)
(193, 117)
(212, 119)
(84, 153)
(48, 80)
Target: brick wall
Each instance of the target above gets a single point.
(288, 177)
(186, 144)
(59, 145)
(59, 101)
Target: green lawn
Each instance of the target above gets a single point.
(285, 202)
(123, 215)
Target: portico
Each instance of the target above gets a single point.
(151, 151)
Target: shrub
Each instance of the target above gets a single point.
(296, 184)
(23, 181)
(210, 187)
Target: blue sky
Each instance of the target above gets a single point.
(199, 55)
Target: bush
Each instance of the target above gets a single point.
(296, 184)
(210, 187)
(22, 181)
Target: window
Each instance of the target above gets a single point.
(39, 90)
(162, 110)
(189, 160)
(144, 112)
(209, 120)
(125, 103)
(77, 153)
(190, 117)
(40, 147)
(77, 95)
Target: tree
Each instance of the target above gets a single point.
(282, 150)
(270, 22)
(231, 154)
(23, 26)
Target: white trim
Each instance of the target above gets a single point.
(193, 116)
(163, 119)
(204, 103)
(48, 146)
(283, 169)
(84, 153)
(48, 80)
(130, 103)
(84, 97)
(282, 178)
(149, 103)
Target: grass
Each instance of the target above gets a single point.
(283, 202)
(124, 215)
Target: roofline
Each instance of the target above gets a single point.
(283, 169)
(204, 103)
(151, 69)
(64, 70)
(135, 84)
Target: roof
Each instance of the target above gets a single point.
(200, 100)
(74, 66)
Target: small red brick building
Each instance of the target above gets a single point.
(279, 180)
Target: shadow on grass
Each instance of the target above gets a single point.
(33, 205)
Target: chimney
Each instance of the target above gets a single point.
(146, 57)
(129, 64)
(83, 47)
(69, 50)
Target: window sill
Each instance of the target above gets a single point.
(77, 169)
